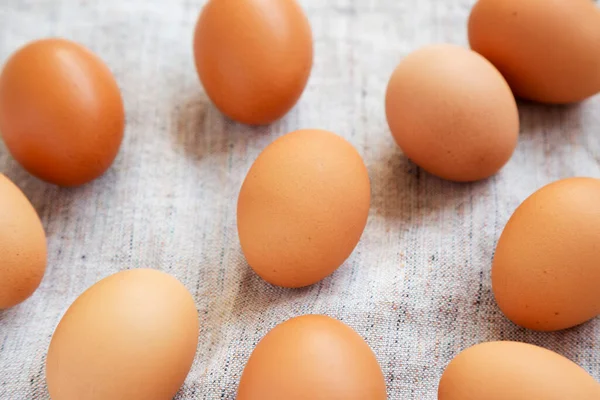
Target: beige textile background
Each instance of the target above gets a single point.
(417, 287)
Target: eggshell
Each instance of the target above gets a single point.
(22, 246)
(312, 357)
(131, 336)
(61, 113)
(546, 269)
(452, 113)
(548, 51)
(515, 371)
(303, 207)
(253, 57)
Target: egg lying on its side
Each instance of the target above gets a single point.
(303, 207)
(548, 51)
(452, 113)
(312, 357)
(22, 246)
(131, 336)
(253, 57)
(546, 268)
(515, 371)
(61, 112)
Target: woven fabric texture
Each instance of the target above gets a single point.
(417, 287)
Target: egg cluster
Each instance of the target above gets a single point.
(305, 201)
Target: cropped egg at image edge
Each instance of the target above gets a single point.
(299, 200)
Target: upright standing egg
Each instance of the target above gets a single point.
(303, 207)
(131, 336)
(312, 357)
(515, 371)
(546, 269)
(548, 51)
(253, 57)
(22, 246)
(61, 113)
(452, 113)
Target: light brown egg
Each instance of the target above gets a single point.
(22, 246)
(61, 113)
(452, 113)
(546, 269)
(303, 207)
(253, 57)
(515, 371)
(312, 357)
(131, 336)
(548, 51)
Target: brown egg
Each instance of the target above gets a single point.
(452, 113)
(61, 113)
(548, 51)
(22, 246)
(253, 57)
(515, 371)
(303, 207)
(546, 269)
(131, 336)
(312, 357)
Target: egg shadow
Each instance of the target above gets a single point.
(493, 325)
(401, 190)
(199, 129)
(54, 203)
(36, 190)
(542, 119)
(552, 133)
(3, 316)
(471, 320)
(256, 296)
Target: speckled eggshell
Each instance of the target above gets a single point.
(131, 336)
(61, 112)
(303, 207)
(452, 113)
(253, 57)
(546, 268)
(515, 371)
(548, 51)
(312, 357)
(22, 246)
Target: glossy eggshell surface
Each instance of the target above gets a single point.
(131, 336)
(548, 51)
(253, 57)
(22, 246)
(61, 112)
(312, 357)
(546, 268)
(515, 371)
(452, 113)
(303, 207)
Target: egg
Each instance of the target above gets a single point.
(253, 57)
(303, 207)
(548, 51)
(546, 268)
(515, 371)
(131, 336)
(312, 357)
(61, 112)
(452, 113)
(22, 246)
